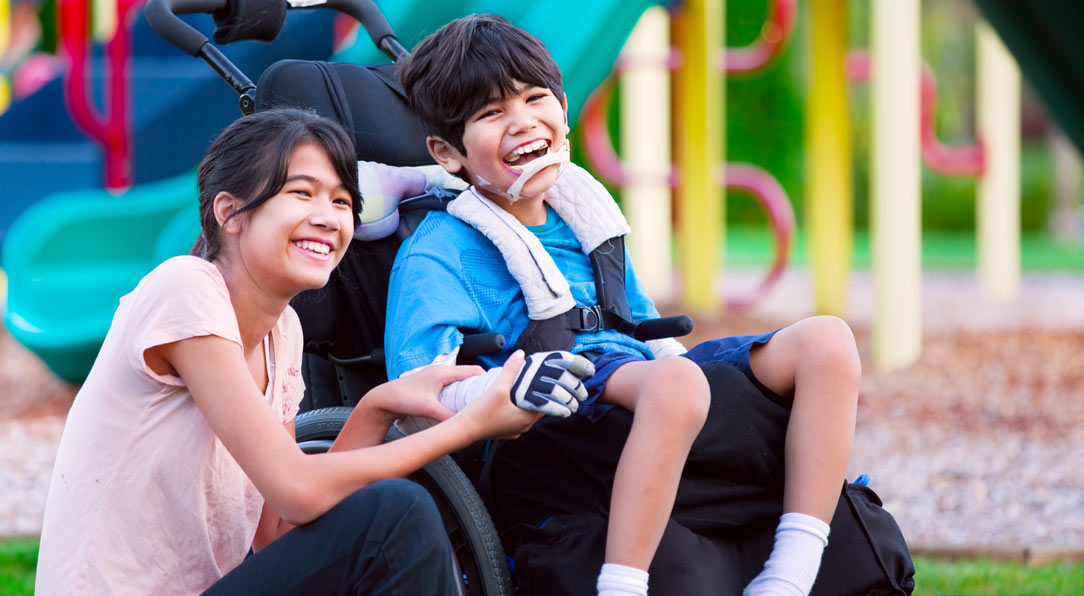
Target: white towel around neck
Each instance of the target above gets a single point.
(581, 201)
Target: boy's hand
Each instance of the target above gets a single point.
(551, 383)
(495, 415)
(418, 394)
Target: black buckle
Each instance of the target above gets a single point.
(590, 318)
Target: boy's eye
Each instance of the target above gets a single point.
(344, 201)
(537, 96)
(487, 113)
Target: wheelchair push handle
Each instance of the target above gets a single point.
(254, 19)
(368, 14)
(663, 327)
(263, 20)
(162, 17)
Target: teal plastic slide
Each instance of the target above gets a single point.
(70, 257)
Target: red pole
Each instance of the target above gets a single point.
(113, 129)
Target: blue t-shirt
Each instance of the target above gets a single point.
(449, 277)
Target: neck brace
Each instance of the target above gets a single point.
(557, 157)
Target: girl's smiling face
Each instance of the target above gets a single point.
(504, 135)
(293, 241)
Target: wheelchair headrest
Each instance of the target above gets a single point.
(366, 100)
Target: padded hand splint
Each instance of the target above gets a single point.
(552, 383)
(383, 187)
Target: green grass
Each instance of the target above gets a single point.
(18, 560)
(988, 578)
(754, 247)
(933, 577)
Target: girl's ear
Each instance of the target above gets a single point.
(445, 154)
(225, 208)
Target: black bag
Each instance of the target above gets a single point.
(866, 555)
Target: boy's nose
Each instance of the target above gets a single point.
(522, 120)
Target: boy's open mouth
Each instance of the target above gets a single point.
(526, 153)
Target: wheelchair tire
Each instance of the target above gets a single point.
(477, 547)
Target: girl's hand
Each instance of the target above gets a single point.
(418, 394)
(494, 413)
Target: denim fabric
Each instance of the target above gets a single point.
(385, 539)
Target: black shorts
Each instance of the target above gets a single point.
(733, 477)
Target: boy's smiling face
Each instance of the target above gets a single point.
(503, 136)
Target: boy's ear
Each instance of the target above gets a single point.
(225, 206)
(564, 106)
(446, 155)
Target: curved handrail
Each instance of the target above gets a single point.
(960, 160)
(767, 191)
(777, 206)
(778, 28)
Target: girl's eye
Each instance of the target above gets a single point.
(345, 201)
(301, 192)
(487, 114)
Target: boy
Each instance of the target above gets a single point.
(512, 256)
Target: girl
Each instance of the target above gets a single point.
(178, 453)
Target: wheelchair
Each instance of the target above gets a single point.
(343, 323)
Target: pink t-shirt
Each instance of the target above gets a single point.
(144, 499)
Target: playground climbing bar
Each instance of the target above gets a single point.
(895, 193)
(645, 145)
(828, 159)
(998, 209)
(698, 29)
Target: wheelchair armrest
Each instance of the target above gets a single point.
(477, 344)
(663, 327)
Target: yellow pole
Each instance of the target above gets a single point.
(895, 187)
(998, 123)
(828, 159)
(699, 116)
(5, 39)
(645, 146)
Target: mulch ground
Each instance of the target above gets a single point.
(975, 448)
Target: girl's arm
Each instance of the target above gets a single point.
(271, 526)
(302, 487)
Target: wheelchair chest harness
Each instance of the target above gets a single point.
(589, 210)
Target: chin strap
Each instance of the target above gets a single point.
(536, 166)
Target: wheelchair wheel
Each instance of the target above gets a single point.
(478, 552)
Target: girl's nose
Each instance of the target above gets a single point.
(323, 215)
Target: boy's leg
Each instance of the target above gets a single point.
(387, 538)
(669, 399)
(816, 362)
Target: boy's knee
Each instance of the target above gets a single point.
(679, 392)
(830, 340)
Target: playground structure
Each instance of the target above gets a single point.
(903, 131)
(72, 250)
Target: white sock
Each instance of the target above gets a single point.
(796, 557)
(620, 580)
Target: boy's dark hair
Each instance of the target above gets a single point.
(455, 71)
(251, 158)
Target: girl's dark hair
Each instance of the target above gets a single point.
(251, 158)
(454, 72)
